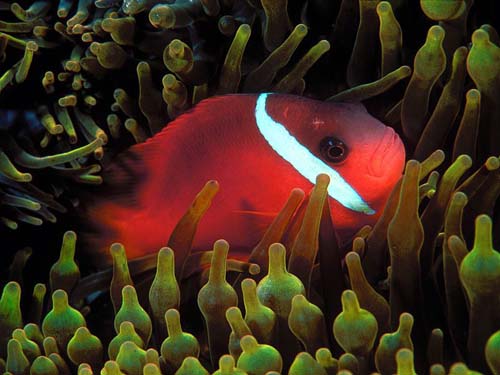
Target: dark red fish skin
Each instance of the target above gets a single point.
(149, 187)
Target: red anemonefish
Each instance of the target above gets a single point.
(258, 147)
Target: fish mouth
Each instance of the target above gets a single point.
(387, 154)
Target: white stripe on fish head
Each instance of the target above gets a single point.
(305, 162)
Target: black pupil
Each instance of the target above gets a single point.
(333, 149)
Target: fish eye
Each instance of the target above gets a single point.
(333, 149)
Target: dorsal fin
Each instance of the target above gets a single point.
(126, 165)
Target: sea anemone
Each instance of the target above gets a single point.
(82, 80)
(292, 322)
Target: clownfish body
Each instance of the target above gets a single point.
(258, 148)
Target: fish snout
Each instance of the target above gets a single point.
(388, 155)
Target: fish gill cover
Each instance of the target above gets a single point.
(417, 292)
